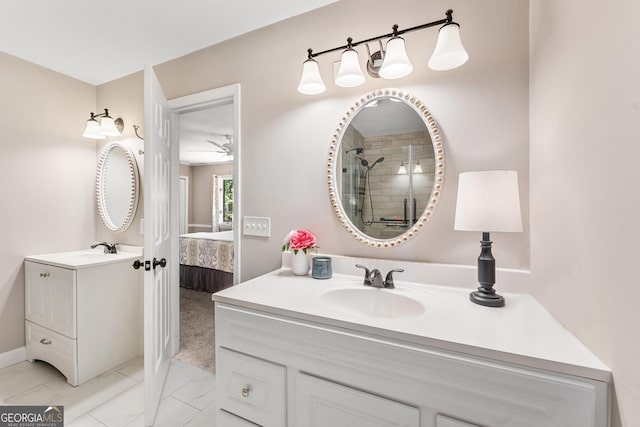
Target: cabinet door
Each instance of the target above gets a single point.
(50, 297)
(321, 403)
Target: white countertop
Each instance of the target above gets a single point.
(87, 258)
(522, 332)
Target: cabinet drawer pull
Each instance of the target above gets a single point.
(45, 274)
(45, 341)
(246, 391)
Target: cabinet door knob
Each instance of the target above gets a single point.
(45, 341)
(45, 274)
(246, 391)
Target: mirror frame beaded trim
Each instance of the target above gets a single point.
(438, 147)
(133, 193)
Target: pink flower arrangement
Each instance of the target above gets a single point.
(299, 240)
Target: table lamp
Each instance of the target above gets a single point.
(488, 201)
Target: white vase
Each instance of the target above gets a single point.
(299, 263)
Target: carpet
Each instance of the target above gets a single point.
(197, 331)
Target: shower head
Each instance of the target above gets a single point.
(363, 161)
(380, 159)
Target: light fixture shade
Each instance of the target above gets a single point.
(311, 81)
(418, 168)
(108, 127)
(449, 52)
(402, 170)
(350, 74)
(92, 130)
(396, 63)
(488, 201)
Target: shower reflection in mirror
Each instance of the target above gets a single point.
(379, 200)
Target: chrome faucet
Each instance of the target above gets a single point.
(109, 248)
(373, 277)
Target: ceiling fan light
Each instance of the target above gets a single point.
(311, 81)
(396, 63)
(449, 52)
(350, 74)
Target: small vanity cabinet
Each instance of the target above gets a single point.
(82, 313)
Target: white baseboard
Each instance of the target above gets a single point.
(12, 357)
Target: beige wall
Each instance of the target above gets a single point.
(585, 134)
(125, 98)
(47, 170)
(482, 109)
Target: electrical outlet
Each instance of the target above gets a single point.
(257, 226)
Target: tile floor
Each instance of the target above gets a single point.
(116, 398)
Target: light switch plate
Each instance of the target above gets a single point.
(256, 226)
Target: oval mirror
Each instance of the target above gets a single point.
(117, 187)
(385, 168)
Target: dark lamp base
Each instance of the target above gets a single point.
(486, 299)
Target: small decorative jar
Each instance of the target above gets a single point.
(321, 267)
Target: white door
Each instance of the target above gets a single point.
(160, 240)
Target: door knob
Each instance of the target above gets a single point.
(137, 264)
(162, 263)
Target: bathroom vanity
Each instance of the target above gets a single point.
(294, 351)
(82, 311)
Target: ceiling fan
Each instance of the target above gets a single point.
(226, 148)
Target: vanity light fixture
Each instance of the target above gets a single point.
(107, 126)
(402, 170)
(418, 168)
(488, 201)
(393, 63)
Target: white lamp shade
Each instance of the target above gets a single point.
(449, 52)
(396, 63)
(488, 201)
(92, 130)
(350, 74)
(108, 127)
(418, 168)
(311, 81)
(402, 170)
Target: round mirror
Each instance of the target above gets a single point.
(117, 187)
(385, 168)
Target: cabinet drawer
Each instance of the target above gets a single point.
(51, 347)
(251, 388)
(50, 297)
(226, 419)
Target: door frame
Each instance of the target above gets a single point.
(200, 101)
(184, 179)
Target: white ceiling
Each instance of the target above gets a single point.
(97, 42)
(198, 128)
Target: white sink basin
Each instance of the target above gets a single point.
(373, 302)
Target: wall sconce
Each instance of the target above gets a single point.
(488, 201)
(105, 127)
(402, 170)
(390, 64)
(418, 168)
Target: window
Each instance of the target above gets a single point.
(224, 199)
(227, 199)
